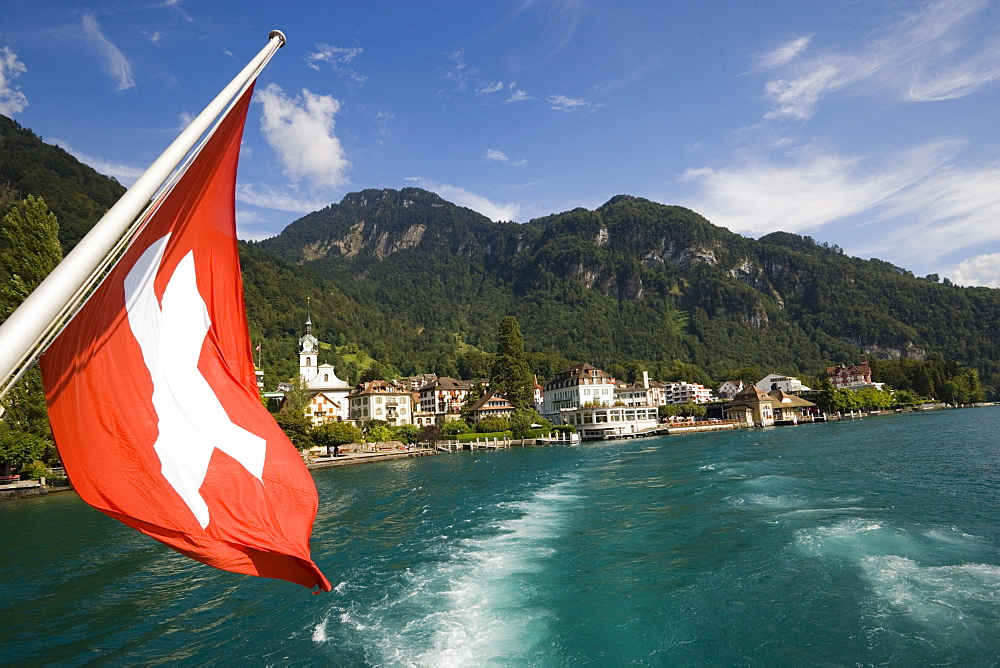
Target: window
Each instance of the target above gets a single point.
(326, 378)
(309, 361)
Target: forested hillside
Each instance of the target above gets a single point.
(421, 285)
(634, 283)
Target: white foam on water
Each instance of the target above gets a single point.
(475, 604)
(949, 599)
(778, 501)
(902, 570)
(707, 467)
(319, 632)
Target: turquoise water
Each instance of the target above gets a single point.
(867, 542)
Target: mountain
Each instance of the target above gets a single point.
(634, 280)
(422, 284)
(74, 192)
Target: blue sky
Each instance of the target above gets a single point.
(874, 125)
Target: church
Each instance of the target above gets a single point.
(327, 393)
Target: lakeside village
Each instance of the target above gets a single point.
(426, 413)
(333, 423)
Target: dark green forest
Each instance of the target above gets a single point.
(421, 285)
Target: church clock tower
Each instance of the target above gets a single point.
(308, 353)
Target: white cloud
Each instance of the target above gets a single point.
(115, 62)
(268, 197)
(785, 53)
(493, 211)
(12, 100)
(943, 51)
(300, 130)
(563, 103)
(500, 156)
(917, 204)
(980, 270)
(126, 174)
(336, 57)
(517, 96)
(491, 88)
(460, 72)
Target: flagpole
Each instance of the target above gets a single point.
(23, 331)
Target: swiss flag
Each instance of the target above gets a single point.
(153, 399)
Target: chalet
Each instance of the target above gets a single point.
(491, 404)
(442, 399)
(729, 389)
(853, 377)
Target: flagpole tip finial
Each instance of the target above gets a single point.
(280, 35)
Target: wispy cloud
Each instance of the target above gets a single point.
(269, 197)
(337, 58)
(492, 87)
(126, 174)
(12, 100)
(784, 54)
(499, 156)
(461, 73)
(943, 208)
(570, 104)
(300, 130)
(492, 210)
(115, 63)
(946, 49)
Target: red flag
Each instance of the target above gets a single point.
(153, 398)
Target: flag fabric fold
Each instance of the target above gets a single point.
(153, 397)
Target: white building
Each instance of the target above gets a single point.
(381, 400)
(686, 393)
(328, 393)
(778, 381)
(612, 421)
(575, 387)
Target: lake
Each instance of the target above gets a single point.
(858, 542)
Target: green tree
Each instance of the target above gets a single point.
(522, 419)
(510, 375)
(332, 435)
(29, 250)
(377, 433)
(492, 424)
(407, 433)
(18, 448)
(297, 427)
(454, 428)
(429, 433)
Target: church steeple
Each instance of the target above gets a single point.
(308, 349)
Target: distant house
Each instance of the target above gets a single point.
(729, 389)
(380, 400)
(442, 399)
(491, 404)
(778, 381)
(853, 377)
(421, 380)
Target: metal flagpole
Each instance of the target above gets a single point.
(22, 333)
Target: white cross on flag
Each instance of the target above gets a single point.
(153, 398)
